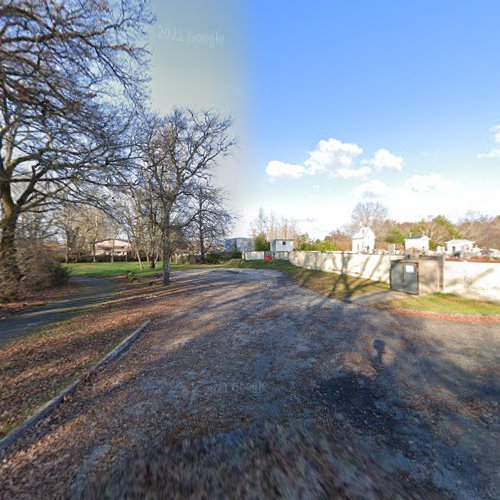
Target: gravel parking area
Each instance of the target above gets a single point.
(248, 385)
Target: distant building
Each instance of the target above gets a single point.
(420, 243)
(282, 245)
(459, 247)
(363, 240)
(112, 246)
(239, 245)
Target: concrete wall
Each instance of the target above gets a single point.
(253, 255)
(475, 280)
(374, 267)
(281, 255)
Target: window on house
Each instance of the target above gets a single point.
(284, 243)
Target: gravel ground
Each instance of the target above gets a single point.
(249, 386)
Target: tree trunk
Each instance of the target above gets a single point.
(139, 260)
(152, 262)
(202, 244)
(167, 253)
(10, 274)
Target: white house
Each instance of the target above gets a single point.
(459, 247)
(284, 245)
(421, 243)
(112, 246)
(363, 240)
(239, 244)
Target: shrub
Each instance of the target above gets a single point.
(219, 258)
(261, 244)
(319, 246)
(40, 268)
(213, 258)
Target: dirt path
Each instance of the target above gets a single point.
(94, 291)
(249, 384)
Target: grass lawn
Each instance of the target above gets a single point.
(328, 284)
(110, 269)
(445, 303)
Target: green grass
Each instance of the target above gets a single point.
(332, 285)
(445, 303)
(110, 269)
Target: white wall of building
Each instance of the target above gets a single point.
(282, 246)
(421, 244)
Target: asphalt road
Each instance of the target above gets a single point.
(94, 291)
(249, 386)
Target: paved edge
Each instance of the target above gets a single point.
(49, 407)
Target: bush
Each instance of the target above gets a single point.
(261, 244)
(40, 268)
(219, 258)
(213, 258)
(318, 246)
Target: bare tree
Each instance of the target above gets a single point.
(81, 227)
(274, 226)
(474, 226)
(212, 220)
(371, 214)
(178, 152)
(64, 65)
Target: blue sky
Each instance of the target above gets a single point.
(338, 102)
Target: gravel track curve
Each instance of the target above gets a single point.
(248, 385)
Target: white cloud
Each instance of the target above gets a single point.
(494, 153)
(276, 169)
(491, 154)
(496, 133)
(431, 182)
(352, 173)
(338, 159)
(384, 159)
(329, 155)
(332, 154)
(373, 189)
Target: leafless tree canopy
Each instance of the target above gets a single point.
(212, 219)
(274, 227)
(178, 154)
(64, 67)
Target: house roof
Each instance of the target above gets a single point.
(112, 239)
(363, 233)
(418, 237)
(283, 239)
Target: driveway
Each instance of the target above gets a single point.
(94, 292)
(248, 385)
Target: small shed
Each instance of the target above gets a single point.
(418, 276)
(458, 247)
(420, 243)
(283, 245)
(364, 241)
